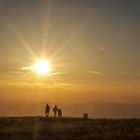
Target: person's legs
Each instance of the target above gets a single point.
(55, 113)
(47, 114)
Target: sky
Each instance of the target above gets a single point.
(93, 47)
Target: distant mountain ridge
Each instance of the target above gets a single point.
(116, 110)
(99, 109)
(102, 109)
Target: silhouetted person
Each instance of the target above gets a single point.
(59, 113)
(55, 109)
(85, 116)
(47, 110)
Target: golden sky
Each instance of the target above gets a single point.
(92, 47)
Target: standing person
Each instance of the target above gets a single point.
(55, 109)
(59, 113)
(47, 110)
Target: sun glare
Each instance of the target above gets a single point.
(42, 67)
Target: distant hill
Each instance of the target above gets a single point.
(116, 110)
(100, 109)
(103, 109)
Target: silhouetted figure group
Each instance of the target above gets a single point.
(56, 111)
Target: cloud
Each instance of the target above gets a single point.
(97, 73)
(102, 48)
(57, 73)
(36, 84)
(26, 68)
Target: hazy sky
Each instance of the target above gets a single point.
(92, 45)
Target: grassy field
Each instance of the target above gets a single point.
(37, 128)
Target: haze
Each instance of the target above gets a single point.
(92, 45)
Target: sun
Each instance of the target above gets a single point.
(42, 67)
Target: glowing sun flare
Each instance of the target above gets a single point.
(42, 67)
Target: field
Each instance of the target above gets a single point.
(40, 128)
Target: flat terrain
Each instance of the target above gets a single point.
(39, 128)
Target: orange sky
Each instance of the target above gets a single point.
(93, 48)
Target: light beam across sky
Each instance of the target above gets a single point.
(76, 49)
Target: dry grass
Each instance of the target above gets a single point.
(37, 128)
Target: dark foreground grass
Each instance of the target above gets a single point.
(37, 128)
